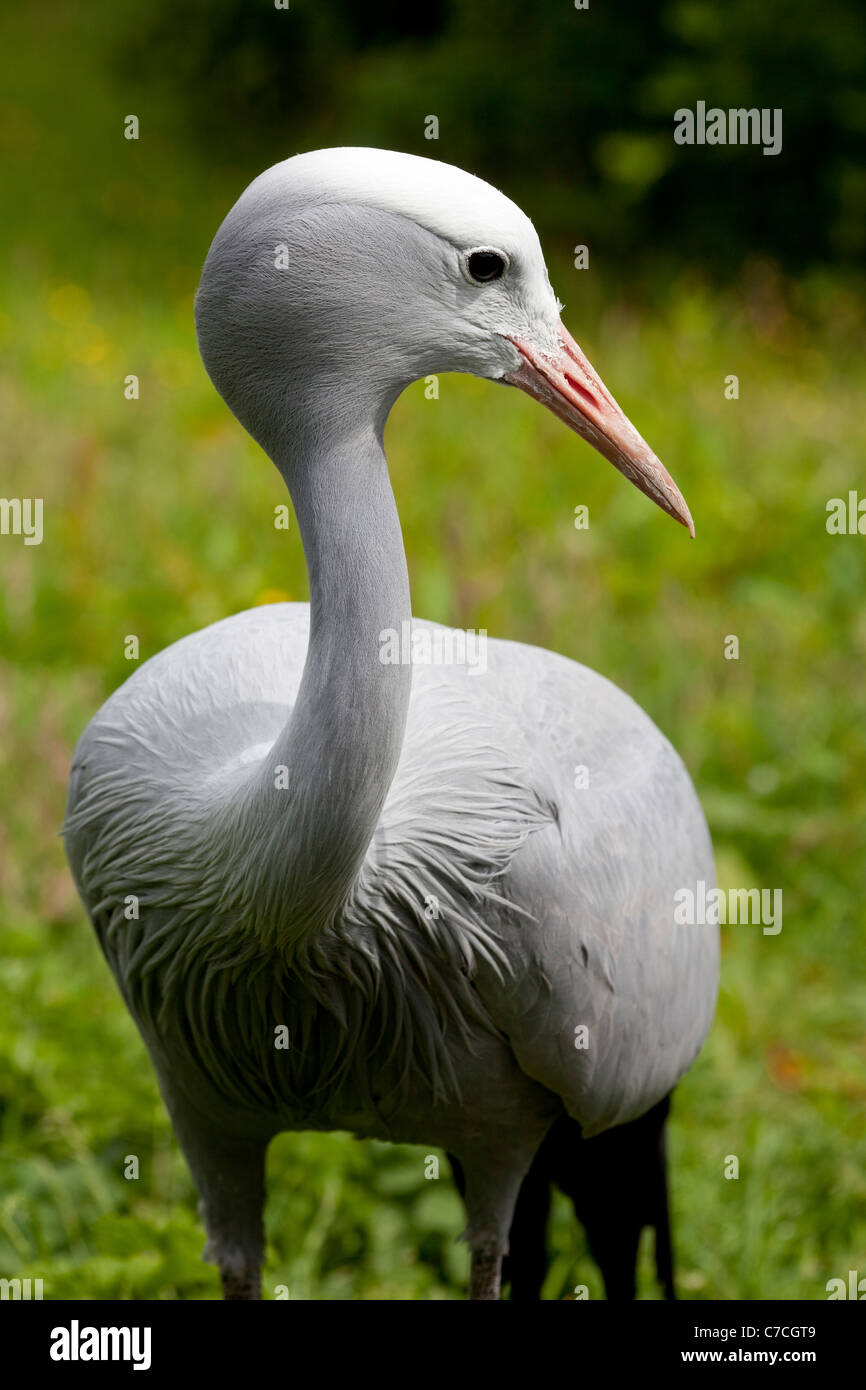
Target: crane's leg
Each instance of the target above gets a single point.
(485, 1269)
(617, 1183)
(485, 1272)
(229, 1173)
(664, 1240)
(490, 1193)
(232, 1190)
(495, 1133)
(524, 1268)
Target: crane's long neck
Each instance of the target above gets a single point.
(319, 794)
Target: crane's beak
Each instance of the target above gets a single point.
(565, 382)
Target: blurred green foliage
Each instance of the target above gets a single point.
(158, 520)
(573, 109)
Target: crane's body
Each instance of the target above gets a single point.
(488, 800)
(420, 902)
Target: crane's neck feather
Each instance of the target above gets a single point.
(317, 797)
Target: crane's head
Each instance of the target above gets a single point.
(342, 275)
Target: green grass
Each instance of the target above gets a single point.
(158, 519)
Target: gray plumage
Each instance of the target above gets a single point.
(423, 897)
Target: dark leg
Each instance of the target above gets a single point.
(617, 1183)
(241, 1287)
(525, 1265)
(664, 1241)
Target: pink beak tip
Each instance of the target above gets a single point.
(565, 382)
(686, 518)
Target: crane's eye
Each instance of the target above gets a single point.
(484, 264)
